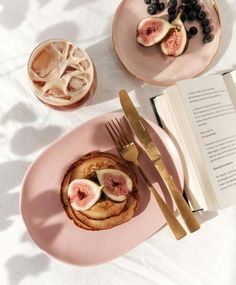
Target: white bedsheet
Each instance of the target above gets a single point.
(27, 127)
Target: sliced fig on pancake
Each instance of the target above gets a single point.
(105, 213)
(116, 184)
(83, 194)
(66, 204)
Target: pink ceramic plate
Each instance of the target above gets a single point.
(149, 64)
(46, 220)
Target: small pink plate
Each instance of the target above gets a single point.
(44, 215)
(150, 64)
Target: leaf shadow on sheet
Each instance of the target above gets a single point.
(20, 266)
(30, 139)
(11, 174)
(13, 13)
(43, 2)
(23, 142)
(73, 4)
(64, 30)
(19, 113)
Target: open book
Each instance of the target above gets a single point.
(200, 116)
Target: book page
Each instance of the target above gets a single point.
(185, 131)
(213, 119)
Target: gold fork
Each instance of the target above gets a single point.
(129, 151)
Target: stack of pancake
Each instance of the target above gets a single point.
(105, 213)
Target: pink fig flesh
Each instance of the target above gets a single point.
(152, 30)
(116, 184)
(175, 42)
(83, 194)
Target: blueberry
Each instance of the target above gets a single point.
(193, 31)
(192, 15)
(207, 38)
(201, 15)
(187, 8)
(151, 9)
(161, 6)
(171, 11)
(155, 2)
(197, 8)
(183, 17)
(189, 35)
(180, 7)
(147, 2)
(193, 2)
(205, 22)
(206, 30)
(171, 18)
(173, 3)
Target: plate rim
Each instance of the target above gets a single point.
(151, 81)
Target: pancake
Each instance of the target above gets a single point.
(104, 209)
(105, 213)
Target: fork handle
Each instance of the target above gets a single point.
(176, 228)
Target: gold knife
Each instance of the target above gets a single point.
(136, 123)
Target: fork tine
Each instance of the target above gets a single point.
(122, 132)
(116, 142)
(117, 133)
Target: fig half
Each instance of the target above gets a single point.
(175, 43)
(116, 184)
(152, 30)
(83, 194)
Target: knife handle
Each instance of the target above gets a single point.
(176, 228)
(184, 209)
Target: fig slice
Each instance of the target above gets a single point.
(175, 43)
(83, 194)
(116, 184)
(152, 30)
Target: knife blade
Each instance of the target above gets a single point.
(136, 123)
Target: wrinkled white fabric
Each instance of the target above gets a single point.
(27, 127)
